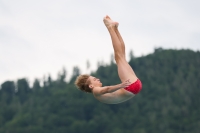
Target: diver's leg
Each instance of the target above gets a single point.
(120, 39)
(125, 71)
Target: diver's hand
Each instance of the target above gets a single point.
(125, 84)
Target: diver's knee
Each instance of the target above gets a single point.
(119, 57)
(120, 60)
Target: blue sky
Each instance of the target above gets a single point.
(41, 37)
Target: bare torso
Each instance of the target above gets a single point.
(116, 97)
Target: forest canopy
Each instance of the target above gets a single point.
(168, 103)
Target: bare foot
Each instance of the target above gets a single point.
(109, 22)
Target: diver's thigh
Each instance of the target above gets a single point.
(125, 71)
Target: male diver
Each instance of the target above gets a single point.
(130, 84)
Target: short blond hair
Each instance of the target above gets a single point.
(82, 83)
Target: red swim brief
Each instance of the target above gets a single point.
(135, 87)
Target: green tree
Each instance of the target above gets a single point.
(23, 89)
(8, 91)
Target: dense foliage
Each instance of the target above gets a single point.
(168, 103)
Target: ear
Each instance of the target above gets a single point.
(90, 86)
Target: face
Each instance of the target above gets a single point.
(95, 82)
